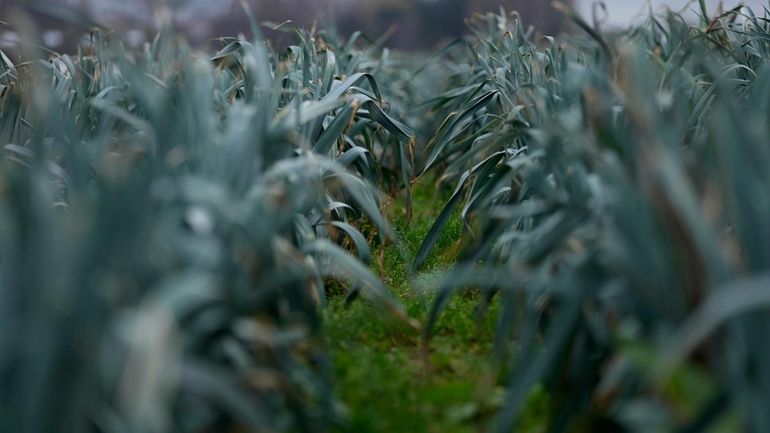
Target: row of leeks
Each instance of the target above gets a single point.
(169, 223)
(615, 194)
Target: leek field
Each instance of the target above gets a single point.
(511, 233)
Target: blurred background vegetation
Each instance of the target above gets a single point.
(410, 24)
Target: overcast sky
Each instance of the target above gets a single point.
(623, 12)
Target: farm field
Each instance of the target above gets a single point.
(514, 232)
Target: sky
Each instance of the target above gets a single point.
(623, 12)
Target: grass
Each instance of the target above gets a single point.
(384, 378)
